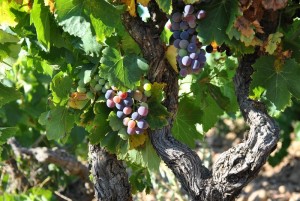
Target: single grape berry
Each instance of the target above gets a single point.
(123, 95)
(127, 110)
(117, 99)
(147, 87)
(131, 124)
(128, 101)
(135, 116)
(143, 111)
(89, 95)
(131, 131)
(183, 72)
(110, 103)
(125, 121)
(209, 49)
(188, 9)
(98, 87)
(137, 95)
(176, 17)
(142, 124)
(120, 114)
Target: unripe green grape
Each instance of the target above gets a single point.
(81, 89)
(96, 77)
(147, 86)
(107, 85)
(103, 90)
(101, 81)
(89, 95)
(98, 87)
(93, 83)
(81, 83)
(147, 93)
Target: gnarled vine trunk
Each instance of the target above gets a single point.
(234, 168)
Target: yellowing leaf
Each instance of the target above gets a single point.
(130, 7)
(171, 57)
(50, 3)
(143, 2)
(273, 41)
(137, 140)
(7, 18)
(77, 100)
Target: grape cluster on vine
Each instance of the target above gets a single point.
(191, 58)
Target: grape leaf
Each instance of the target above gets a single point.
(171, 57)
(280, 84)
(8, 94)
(137, 140)
(102, 31)
(214, 25)
(58, 121)
(164, 5)
(60, 86)
(115, 122)
(131, 7)
(40, 17)
(273, 41)
(7, 17)
(124, 72)
(291, 40)
(111, 141)
(5, 133)
(184, 128)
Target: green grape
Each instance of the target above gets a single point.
(89, 95)
(104, 90)
(98, 87)
(81, 83)
(81, 89)
(93, 83)
(147, 93)
(144, 104)
(101, 81)
(97, 77)
(107, 85)
(147, 86)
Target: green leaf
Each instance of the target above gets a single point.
(214, 25)
(184, 128)
(150, 157)
(8, 94)
(124, 72)
(112, 142)
(40, 17)
(60, 86)
(280, 82)
(70, 15)
(273, 41)
(291, 39)
(102, 31)
(7, 132)
(59, 122)
(165, 5)
(115, 122)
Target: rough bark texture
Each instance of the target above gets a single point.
(236, 167)
(110, 176)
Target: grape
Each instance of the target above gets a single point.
(103, 90)
(98, 87)
(176, 34)
(176, 17)
(96, 77)
(184, 35)
(107, 85)
(201, 58)
(200, 14)
(182, 52)
(101, 81)
(188, 9)
(175, 26)
(93, 83)
(117, 99)
(176, 43)
(144, 99)
(138, 95)
(142, 124)
(191, 31)
(123, 95)
(128, 101)
(196, 71)
(135, 116)
(110, 103)
(109, 94)
(147, 86)
(144, 104)
(129, 93)
(131, 131)
(120, 106)
(139, 131)
(143, 111)
(190, 18)
(228, 52)
(209, 49)
(186, 60)
(183, 44)
(127, 110)
(183, 72)
(81, 89)
(120, 114)
(192, 47)
(193, 55)
(81, 83)
(131, 124)
(147, 93)
(194, 39)
(125, 121)
(89, 95)
(183, 25)
(195, 65)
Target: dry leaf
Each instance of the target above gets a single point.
(143, 2)
(171, 57)
(50, 3)
(130, 7)
(244, 26)
(274, 4)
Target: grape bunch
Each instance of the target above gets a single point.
(190, 57)
(213, 47)
(131, 107)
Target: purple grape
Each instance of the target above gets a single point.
(184, 35)
(192, 24)
(110, 103)
(202, 51)
(176, 43)
(201, 58)
(109, 94)
(183, 72)
(196, 71)
(135, 116)
(143, 111)
(183, 25)
(142, 124)
(120, 106)
(200, 14)
(194, 39)
(188, 9)
(193, 55)
(195, 64)
(176, 34)
(191, 31)
(129, 93)
(127, 110)
(175, 26)
(176, 17)
(139, 131)
(120, 114)
(186, 60)
(192, 47)
(130, 131)
(183, 44)
(128, 101)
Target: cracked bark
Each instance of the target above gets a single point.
(236, 167)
